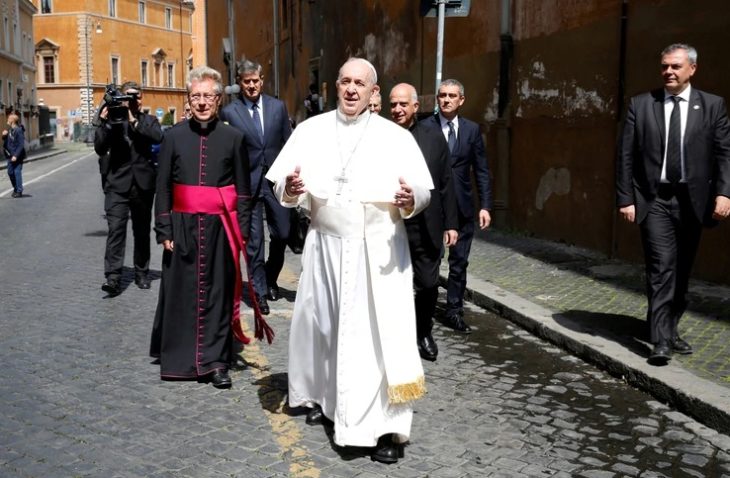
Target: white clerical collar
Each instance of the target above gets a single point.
(203, 124)
(684, 94)
(353, 119)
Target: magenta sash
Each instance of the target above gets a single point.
(222, 202)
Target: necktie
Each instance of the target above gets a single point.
(452, 136)
(674, 145)
(257, 121)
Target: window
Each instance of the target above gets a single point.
(115, 71)
(10, 94)
(49, 70)
(168, 18)
(170, 75)
(112, 8)
(46, 6)
(6, 29)
(142, 13)
(173, 114)
(2, 94)
(143, 72)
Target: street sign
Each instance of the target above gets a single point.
(159, 112)
(454, 8)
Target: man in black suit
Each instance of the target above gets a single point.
(466, 148)
(673, 177)
(127, 134)
(265, 124)
(436, 225)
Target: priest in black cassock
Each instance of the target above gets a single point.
(202, 218)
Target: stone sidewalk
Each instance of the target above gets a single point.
(595, 308)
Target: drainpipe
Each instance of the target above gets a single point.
(276, 47)
(505, 55)
(502, 125)
(620, 92)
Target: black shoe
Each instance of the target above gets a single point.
(112, 287)
(680, 346)
(263, 304)
(427, 348)
(15, 194)
(274, 293)
(316, 417)
(661, 354)
(221, 379)
(142, 281)
(386, 451)
(456, 322)
(18, 195)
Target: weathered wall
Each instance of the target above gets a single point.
(653, 24)
(563, 122)
(552, 153)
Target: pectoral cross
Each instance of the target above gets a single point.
(341, 179)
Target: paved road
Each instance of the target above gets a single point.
(80, 396)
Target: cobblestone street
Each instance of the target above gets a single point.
(81, 397)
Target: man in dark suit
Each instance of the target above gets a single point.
(126, 135)
(14, 149)
(436, 225)
(265, 124)
(673, 177)
(466, 148)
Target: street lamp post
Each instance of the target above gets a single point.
(89, 96)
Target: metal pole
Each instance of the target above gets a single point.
(88, 75)
(233, 67)
(439, 47)
(276, 47)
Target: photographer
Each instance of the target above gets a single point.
(127, 135)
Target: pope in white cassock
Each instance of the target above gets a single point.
(353, 357)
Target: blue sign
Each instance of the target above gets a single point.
(159, 112)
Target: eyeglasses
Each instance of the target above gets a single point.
(207, 97)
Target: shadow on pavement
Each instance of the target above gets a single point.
(272, 392)
(622, 329)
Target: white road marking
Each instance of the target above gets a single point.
(35, 180)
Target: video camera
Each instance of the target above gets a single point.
(114, 102)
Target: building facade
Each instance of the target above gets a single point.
(82, 46)
(17, 67)
(547, 81)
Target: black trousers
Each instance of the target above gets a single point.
(265, 273)
(426, 261)
(119, 207)
(458, 262)
(670, 235)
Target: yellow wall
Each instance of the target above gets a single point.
(122, 37)
(17, 73)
